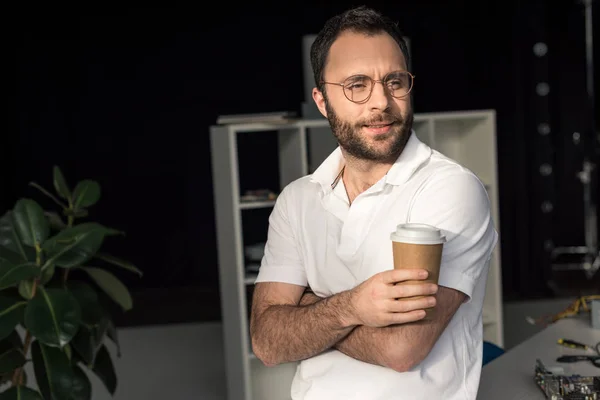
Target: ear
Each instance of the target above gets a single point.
(319, 101)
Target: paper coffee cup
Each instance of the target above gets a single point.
(417, 245)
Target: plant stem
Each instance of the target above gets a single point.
(70, 220)
(17, 378)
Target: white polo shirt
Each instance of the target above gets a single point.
(316, 239)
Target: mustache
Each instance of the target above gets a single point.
(384, 118)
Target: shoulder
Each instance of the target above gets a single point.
(296, 193)
(445, 178)
(453, 197)
(297, 189)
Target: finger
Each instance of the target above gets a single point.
(404, 274)
(410, 290)
(404, 318)
(409, 305)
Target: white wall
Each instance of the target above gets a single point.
(169, 362)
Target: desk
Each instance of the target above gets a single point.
(511, 376)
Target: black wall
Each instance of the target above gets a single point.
(126, 96)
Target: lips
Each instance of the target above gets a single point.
(379, 125)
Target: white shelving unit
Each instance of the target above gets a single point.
(468, 137)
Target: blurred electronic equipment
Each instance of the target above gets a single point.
(556, 386)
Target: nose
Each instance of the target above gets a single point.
(380, 97)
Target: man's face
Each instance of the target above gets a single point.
(378, 128)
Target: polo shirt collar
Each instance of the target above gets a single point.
(414, 155)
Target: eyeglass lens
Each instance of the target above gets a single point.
(358, 88)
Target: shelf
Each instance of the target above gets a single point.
(488, 318)
(250, 277)
(300, 145)
(248, 205)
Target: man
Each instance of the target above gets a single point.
(330, 232)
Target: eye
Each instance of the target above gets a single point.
(397, 81)
(357, 83)
(396, 84)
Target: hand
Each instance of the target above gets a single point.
(380, 302)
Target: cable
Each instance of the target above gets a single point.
(582, 304)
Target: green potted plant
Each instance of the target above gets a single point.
(56, 296)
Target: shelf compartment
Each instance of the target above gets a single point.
(249, 205)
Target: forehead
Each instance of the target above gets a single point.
(356, 53)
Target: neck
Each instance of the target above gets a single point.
(359, 175)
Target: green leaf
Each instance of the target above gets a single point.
(86, 194)
(47, 274)
(105, 370)
(82, 387)
(113, 335)
(11, 275)
(76, 245)
(53, 372)
(8, 256)
(12, 341)
(53, 316)
(15, 339)
(11, 248)
(92, 312)
(60, 183)
(88, 341)
(55, 220)
(30, 222)
(48, 194)
(20, 393)
(113, 287)
(26, 289)
(119, 263)
(68, 352)
(11, 313)
(11, 356)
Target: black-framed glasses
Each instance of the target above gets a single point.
(358, 88)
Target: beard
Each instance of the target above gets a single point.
(387, 147)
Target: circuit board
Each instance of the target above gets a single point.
(566, 387)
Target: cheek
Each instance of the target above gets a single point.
(403, 105)
(351, 112)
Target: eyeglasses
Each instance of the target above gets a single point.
(358, 88)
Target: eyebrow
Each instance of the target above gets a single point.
(357, 74)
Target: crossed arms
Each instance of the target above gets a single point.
(288, 324)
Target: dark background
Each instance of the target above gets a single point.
(126, 97)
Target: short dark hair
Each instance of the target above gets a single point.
(359, 20)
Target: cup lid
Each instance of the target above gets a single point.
(416, 233)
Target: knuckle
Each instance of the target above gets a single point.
(402, 290)
(403, 306)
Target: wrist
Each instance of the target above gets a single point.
(347, 311)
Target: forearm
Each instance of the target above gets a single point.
(370, 345)
(401, 347)
(285, 333)
(379, 346)
(364, 343)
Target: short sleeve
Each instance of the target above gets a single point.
(458, 204)
(282, 261)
